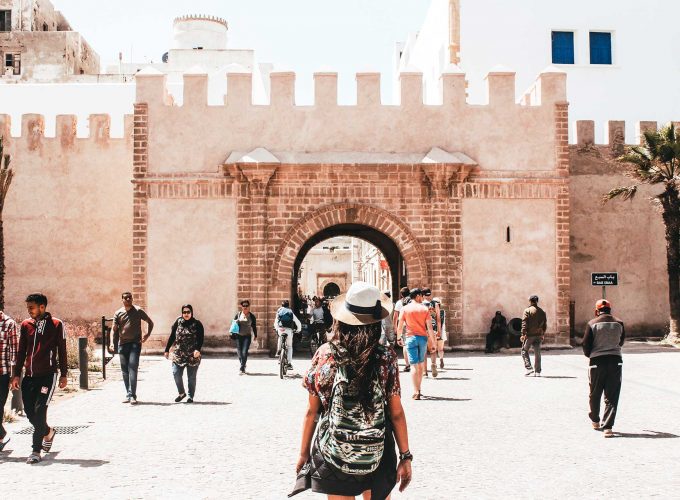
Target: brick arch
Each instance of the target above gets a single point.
(350, 213)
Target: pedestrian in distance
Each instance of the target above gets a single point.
(602, 342)
(285, 322)
(534, 325)
(127, 327)
(404, 299)
(9, 343)
(387, 337)
(247, 332)
(42, 351)
(439, 326)
(187, 337)
(354, 383)
(416, 321)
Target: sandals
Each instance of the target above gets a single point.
(416, 395)
(47, 440)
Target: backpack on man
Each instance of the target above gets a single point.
(285, 317)
(348, 439)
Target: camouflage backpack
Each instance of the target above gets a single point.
(348, 440)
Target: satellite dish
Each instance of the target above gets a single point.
(165, 58)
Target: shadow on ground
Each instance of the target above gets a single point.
(649, 435)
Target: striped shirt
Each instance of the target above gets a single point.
(9, 341)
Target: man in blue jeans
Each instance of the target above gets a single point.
(127, 325)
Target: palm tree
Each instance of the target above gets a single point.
(657, 161)
(6, 175)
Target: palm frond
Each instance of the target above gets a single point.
(624, 192)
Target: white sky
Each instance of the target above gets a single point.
(302, 35)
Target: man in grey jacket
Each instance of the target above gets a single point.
(534, 324)
(602, 343)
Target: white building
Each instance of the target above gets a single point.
(620, 55)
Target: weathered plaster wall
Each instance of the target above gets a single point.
(51, 56)
(498, 275)
(626, 237)
(192, 260)
(67, 218)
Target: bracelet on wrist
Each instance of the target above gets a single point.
(405, 456)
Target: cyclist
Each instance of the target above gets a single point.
(286, 322)
(317, 323)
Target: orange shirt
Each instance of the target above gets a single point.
(416, 317)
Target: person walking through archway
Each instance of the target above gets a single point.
(187, 336)
(416, 319)
(354, 383)
(398, 306)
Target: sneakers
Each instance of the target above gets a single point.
(538, 374)
(441, 363)
(529, 372)
(126, 400)
(33, 458)
(47, 440)
(180, 397)
(4, 441)
(608, 433)
(133, 401)
(190, 400)
(434, 370)
(596, 425)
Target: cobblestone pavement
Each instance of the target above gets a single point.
(483, 431)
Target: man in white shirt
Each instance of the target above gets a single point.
(286, 322)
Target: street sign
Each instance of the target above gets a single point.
(604, 279)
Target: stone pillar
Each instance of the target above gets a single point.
(446, 244)
(140, 202)
(252, 181)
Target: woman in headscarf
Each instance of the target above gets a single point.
(354, 383)
(187, 335)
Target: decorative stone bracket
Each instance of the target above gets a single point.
(442, 176)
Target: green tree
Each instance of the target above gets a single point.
(6, 175)
(657, 162)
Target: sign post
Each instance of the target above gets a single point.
(604, 280)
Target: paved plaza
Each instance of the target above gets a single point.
(484, 430)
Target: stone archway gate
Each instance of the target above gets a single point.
(327, 164)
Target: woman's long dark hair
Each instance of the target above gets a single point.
(361, 343)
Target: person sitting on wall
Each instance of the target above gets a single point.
(495, 337)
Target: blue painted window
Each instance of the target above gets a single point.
(562, 47)
(600, 48)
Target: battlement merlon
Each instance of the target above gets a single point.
(33, 128)
(550, 88)
(615, 132)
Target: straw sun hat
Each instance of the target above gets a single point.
(363, 304)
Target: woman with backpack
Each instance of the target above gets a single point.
(354, 383)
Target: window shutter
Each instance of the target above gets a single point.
(600, 48)
(562, 47)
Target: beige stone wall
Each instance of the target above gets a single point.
(627, 237)
(411, 127)
(501, 275)
(192, 260)
(67, 218)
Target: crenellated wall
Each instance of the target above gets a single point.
(67, 217)
(623, 236)
(525, 133)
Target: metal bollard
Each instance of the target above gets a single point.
(82, 361)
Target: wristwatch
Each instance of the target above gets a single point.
(405, 456)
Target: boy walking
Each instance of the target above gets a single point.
(42, 351)
(602, 343)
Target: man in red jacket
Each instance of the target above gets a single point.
(42, 344)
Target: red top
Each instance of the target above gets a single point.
(416, 316)
(41, 344)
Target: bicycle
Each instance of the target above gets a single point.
(315, 337)
(283, 355)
